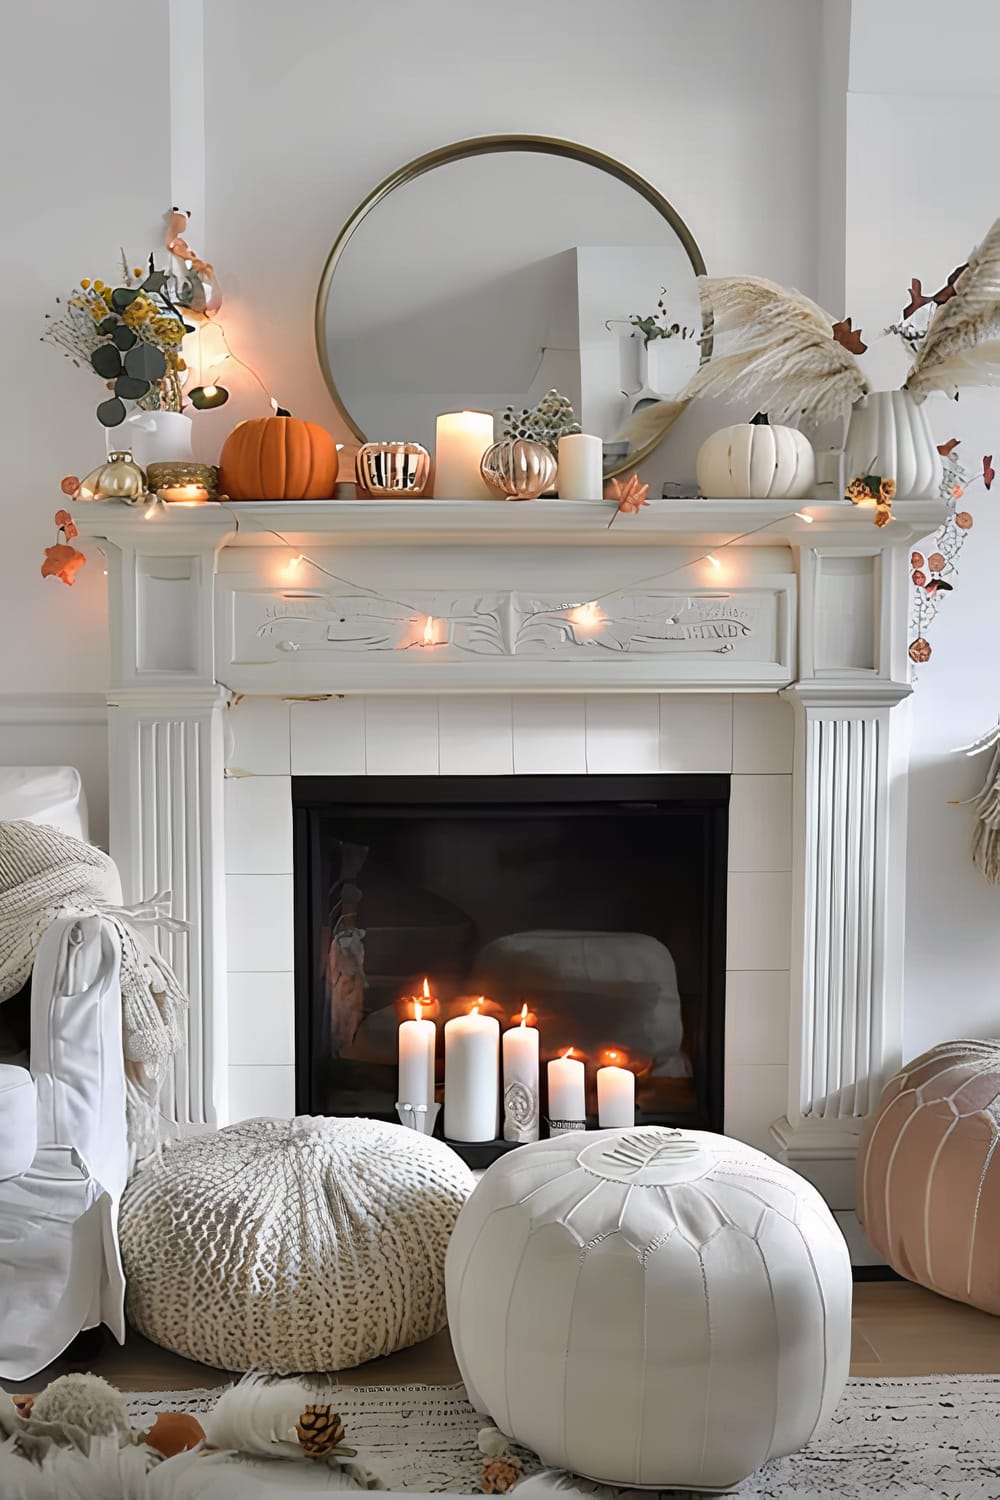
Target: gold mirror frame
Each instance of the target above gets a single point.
(487, 145)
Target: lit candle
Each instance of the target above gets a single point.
(567, 1094)
(184, 494)
(581, 467)
(471, 1081)
(520, 1081)
(461, 440)
(417, 1039)
(615, 1094)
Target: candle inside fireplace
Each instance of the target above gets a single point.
(471, 1077)
(615, 1094)
(567, 1091)
(520, 1081)
(417, 1040)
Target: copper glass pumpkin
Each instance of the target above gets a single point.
(519, 469)
(393, 471)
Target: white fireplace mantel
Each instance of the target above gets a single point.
(449, 597)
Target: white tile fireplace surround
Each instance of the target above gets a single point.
(451, 642)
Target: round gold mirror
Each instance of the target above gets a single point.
(491, 271)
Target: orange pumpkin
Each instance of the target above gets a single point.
(175, 1432)
(278, 458)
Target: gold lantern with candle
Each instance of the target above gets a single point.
(184, 483)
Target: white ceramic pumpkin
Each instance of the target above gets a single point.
(754, 461)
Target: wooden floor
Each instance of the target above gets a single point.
(899, 1329)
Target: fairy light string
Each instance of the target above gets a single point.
(298, 558)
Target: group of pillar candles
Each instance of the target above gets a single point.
(472, 1071)
(462, 437)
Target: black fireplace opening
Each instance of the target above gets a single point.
(596, 901)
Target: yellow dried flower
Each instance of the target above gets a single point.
(136, 270)
(98, 286)
(887, 490)
(138, 312)
(85, 283)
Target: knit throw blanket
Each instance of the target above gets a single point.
(45, 874)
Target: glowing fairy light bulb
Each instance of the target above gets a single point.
(587, 616)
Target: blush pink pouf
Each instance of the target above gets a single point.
(929, 1173)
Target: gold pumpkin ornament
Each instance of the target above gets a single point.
(119, 479)
(519, 468)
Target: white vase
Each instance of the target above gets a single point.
(157, 437)
(889, 434)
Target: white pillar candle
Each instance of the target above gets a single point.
(615, 1095)
(567, 1093)
(461, 440)
(471, 1077)
(520, 1081)
(417, 1039)
(581, 467)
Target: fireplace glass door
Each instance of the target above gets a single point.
(595, 902)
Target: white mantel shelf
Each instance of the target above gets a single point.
(381, 523)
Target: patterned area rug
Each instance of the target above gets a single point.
(929, 1436)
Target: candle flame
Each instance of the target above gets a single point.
(475, 1009)
(524, 1015)
(612, 1057)
(568, 1052)
(429, 631)
(714, 561)
(427, 990)
(418, 1011)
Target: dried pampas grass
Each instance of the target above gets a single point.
(648, 426)
(783, 359)
(962, 344)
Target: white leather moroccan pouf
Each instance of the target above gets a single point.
(650, 1306)
(292, 1245)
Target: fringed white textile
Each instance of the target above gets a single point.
(45, 874)
(986, 835)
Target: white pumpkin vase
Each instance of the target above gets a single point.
(889, 434)
(755, 461)
(158, 437)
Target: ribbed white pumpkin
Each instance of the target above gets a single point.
(889, 434)
(649, 1306)
(756, 462)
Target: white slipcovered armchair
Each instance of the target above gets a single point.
(63, 1140)
(60, 1271)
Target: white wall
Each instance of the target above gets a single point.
(921, 192)
(737, 112)
(86, 170)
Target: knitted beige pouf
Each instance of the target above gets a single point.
(292, 1245)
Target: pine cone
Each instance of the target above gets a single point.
(499, 1474)
(319, 1430)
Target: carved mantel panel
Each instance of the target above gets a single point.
(313, 639)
